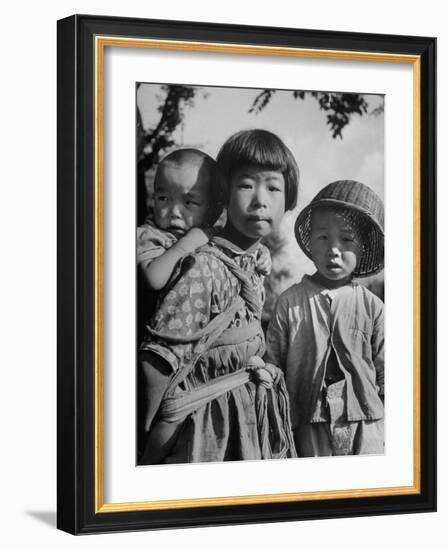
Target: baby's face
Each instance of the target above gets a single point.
(335, 246)
(257, 201)
(182, 197)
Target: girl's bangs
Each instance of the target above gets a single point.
(265, 152)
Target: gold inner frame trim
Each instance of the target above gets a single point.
(101, 42)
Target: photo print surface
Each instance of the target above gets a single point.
(260, 283)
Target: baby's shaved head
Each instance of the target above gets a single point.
(193, 161)
(190, 157)
(187, 184)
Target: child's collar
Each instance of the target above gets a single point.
(234, 248)
(316, 281)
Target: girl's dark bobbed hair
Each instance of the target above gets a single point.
(264, 149)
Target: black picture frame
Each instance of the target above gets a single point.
(78, 511)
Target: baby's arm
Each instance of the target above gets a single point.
(378, 350)
(159, 270)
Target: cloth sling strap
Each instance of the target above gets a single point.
(251, 298)
(271, 402)
(274, 420)
(220, 322)
(273, 416)
(206, 337)
(175, 408)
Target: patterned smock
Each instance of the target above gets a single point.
(207, 327)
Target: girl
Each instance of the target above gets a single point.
(187, 201)
(327, 332)
(208, 399)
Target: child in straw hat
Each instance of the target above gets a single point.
(327, 332)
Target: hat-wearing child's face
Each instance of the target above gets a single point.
(335, 245)
(182, 197)
(257, 201)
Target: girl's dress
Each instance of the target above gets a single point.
(207, 328)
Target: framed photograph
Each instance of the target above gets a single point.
(246, 274)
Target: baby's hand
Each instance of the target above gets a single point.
(194, 239)
(264, 264)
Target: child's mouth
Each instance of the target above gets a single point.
(176, 230)
(259, 219)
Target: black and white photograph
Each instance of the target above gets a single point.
(221, 287)
(247, 256)
(260, 274)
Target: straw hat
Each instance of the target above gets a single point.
(365, 209)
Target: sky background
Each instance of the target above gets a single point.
(219, 112)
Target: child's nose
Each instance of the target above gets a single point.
(260, 196)
(334, 251)
(175, 211)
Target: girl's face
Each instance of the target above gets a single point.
(335, 246)
(257, 201)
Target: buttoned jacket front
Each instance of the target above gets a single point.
(309, 322)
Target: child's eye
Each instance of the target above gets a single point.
(348, 239)
(274, 188)
(321, 237)
(192, 203)
(161, 198)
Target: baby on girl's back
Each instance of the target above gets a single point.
(203, 385)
